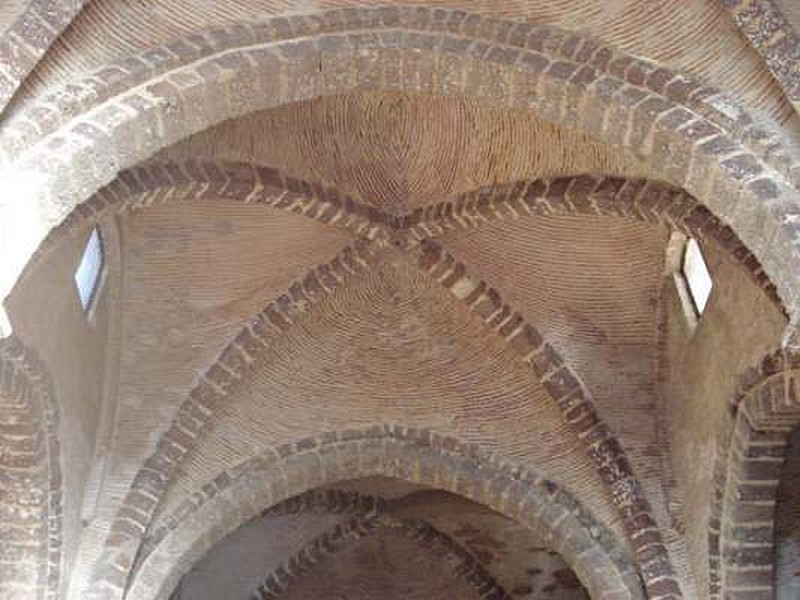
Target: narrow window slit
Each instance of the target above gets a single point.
(695, 273)
(87, 275)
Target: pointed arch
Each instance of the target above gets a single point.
(419, 456)
(740, 172)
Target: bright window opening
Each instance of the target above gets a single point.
(695, 272)
(87, 275)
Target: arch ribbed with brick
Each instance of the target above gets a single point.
(580, 49)
(741, 173)
(603, 448)
(650, 201)
(30, 468)
(367, 516)
(28, 38)
(574, 401)
(752, 449)
(220, 379)
(421, 456)
(640, 199)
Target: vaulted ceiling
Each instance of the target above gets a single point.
(379, 340)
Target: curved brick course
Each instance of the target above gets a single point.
(28, 38)
(708, 169)
(450, 553)
(752, 448)
(774, 38)
(30, 470)
(40, 119)
(744, 178)
(640, 199)
(644, 200)
(576, 404)
(159, 183)
(420, 456)
(197, 181)
(219, 380)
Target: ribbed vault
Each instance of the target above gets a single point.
(392, 243)
(397, 298)
(621, 103)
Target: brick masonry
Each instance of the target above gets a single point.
(743, 176)
(419, 456)
(28, 39)
(639, 199)
(30, 473)
(752, 449)
(657, 203)
(196, 413)
(771, 34)
(576, 404)
(740, 171)
(366, 516)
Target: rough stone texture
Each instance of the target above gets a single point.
(425, 258)
(771, 34)
(27, 29)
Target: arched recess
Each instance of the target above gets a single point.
(418, 456)
(366, 516)
(752, 450)
(30, 471)
(689, 134)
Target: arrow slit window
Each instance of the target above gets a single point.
(90, 269)
(696, 275)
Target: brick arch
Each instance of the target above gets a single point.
(29, 37)
(159, 183)
(742, 173)
(196, 412)
(30, 468)
(198, 181)
(421, 456)
(645, 200)
(367, 516)
(652, 202)
(751, 451)
(248, 183)
(573, 400)
(766, 28)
